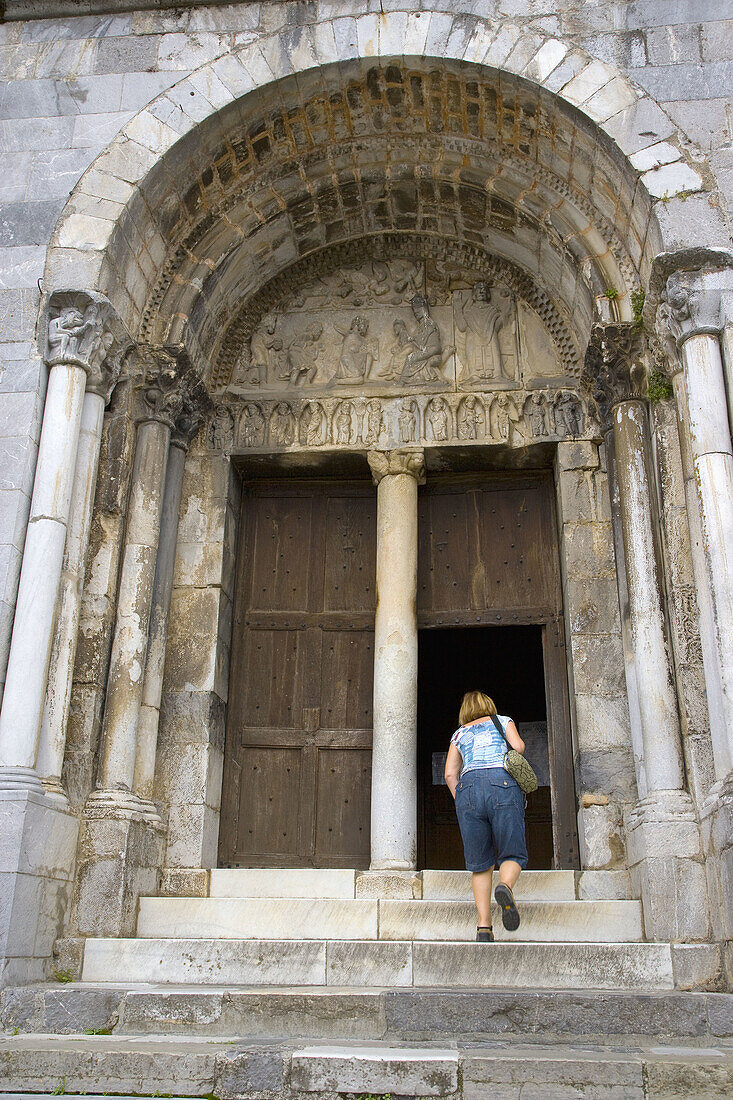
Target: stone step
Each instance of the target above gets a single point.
(532, 886)
(386, 919)
(320, 1012)
(310, 882)
(382, 963)
(281, 1069)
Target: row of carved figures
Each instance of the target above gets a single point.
(375, 422)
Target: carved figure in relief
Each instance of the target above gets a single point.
(358, 354)
(407, 421)
(252, 426)
(568, 414)
(398, 352)
(66, 332)
(301, 358)
(437, 420)
(503, 413)
(266, 353)
(374, 425)
(313, 425)
(478, 322)
(425, 355)
(470, 418)
(343, 423)
(282, 424)
(535, 411)
(221, 429)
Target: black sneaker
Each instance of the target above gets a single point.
(509, 912)
(485, 935)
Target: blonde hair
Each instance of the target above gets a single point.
(475, 705)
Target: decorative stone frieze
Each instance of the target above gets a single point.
(614, 368)
(382, 463)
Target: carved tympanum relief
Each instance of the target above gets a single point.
(393, 325)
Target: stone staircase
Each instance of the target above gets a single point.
(287, 985)
(307, 927)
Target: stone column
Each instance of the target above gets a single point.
(160, 402)
(100, 383)
(78, 338)
(39, 833)
(187, 424)
(394, 765)
(663, 837)
(698, 298)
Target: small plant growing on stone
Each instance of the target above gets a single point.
(60, 1089)
(104, 1031)
(63, 975)
(659, 388)
(611, 293)
(638, 298)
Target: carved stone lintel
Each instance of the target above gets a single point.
(83, 330)
(614, 369)
(384, 463)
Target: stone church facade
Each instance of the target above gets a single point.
(337, 339)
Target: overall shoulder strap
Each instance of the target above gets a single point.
(497, 723)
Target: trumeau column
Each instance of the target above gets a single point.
(394, 764)
(81, 329)
(100, 383)
(186, 426)
(160, 401)
(662, 832)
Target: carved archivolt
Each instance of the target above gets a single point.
(361, 423)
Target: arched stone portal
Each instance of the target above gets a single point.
(393, 264)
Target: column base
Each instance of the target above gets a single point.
(405, 885)
(55, 792)
(39, 845)
(717, 839)
(20, 779)
(391, 865)
(120, 856)
(667, 867)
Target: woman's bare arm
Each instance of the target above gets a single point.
(453, 765)
(512, 736)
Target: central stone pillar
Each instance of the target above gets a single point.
(663, 838)
(397, 475)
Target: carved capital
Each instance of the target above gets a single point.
(695, 302)
(384, 463)
(663, 345)
(81, 329)
(614, 369)
(188, 422)
(160, 388)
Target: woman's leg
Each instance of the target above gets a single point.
(509, 872)
(481, 885)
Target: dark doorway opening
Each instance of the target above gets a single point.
(507, 663)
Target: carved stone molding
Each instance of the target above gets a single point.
(663, 344)
(614, 368)
(188, 422)
(385, 463)
(81, 329)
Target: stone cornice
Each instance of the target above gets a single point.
(386, 463)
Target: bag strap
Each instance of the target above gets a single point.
(497, 725)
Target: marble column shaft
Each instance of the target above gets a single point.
(35, 612)
(713, 462)
(663, 767)
(58, 690)
(147, 739)
(129, 646)
(394, 752)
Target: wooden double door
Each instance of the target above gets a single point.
(297, 767)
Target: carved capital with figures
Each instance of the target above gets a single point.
(82, 330)
(386, 463)
(614, 368)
